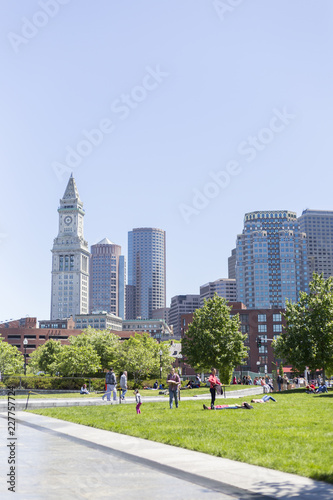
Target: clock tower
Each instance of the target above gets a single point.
(70, 259)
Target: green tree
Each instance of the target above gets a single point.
(307, 339)
(214, 339)
(105, 343)
(139, 355)
(78, 360)
(163, 361)
(11, 359)
(46, 357)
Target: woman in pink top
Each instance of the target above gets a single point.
(214, 381)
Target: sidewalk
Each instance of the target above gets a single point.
(48, 402)
(61, 459)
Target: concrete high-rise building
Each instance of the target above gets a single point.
(107, 278)
(271, 259)
(181, 304)
(70, 259)
(162, 313)
(223, 287)
(232, 265)
(146, 272)
(318, 226)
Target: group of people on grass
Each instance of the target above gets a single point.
(311, 388)
(173, 381)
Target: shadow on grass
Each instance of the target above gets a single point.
(323, 395)
(323, 477)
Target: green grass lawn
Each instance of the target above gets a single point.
(293, 435)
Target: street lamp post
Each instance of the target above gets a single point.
(161, 352)
(25, 343)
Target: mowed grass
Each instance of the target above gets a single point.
(294, 435)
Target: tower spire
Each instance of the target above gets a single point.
(71, 192)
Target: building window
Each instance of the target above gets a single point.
(261, 318)
(262, 328)
(277, 317)
(277, 328)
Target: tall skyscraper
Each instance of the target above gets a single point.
(70, 259)
(146, 272)
(271, 259)
(107, 278)
(318, 226)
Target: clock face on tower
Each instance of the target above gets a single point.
(68, 219)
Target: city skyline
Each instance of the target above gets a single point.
(229, 115)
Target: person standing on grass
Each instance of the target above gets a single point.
(138, 401)
(214, 382)
(123, 385)
(279, 382)
(174, 381)
(111, 382)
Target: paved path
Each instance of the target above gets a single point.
(48, 402)
(58, 459)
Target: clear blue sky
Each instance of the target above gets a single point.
(184, 93)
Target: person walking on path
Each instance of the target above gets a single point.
(214, 382)
(174, 381)
(111, 383)
(138, 401)
(123, 385)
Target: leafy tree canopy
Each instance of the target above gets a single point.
(139, 355)
(214, 339)
(11, 359)
(105, 343)
(78, 360)
(307, 340)
(46, 356)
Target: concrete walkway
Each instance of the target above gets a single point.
(48, 402)
(58, 459)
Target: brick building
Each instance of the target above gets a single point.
(14, 332)
(264, 323)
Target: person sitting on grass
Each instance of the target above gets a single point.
(197, 382)
(84, 389)
(310, 389)
(244, 405)
(322, 388)
(264, 399)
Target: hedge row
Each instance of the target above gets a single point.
(53, 383)
(59, 383)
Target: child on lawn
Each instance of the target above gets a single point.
(138, 401)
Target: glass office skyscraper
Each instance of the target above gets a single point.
(318, 226)
(271, 259)
(146, 272)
